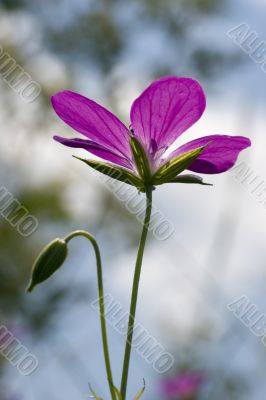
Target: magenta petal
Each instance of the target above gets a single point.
(167, 108)
(220, 154)
(93, 121)
(184, 385)
(95, 149)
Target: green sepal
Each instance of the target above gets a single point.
(118, 173)
(140, 393)
(190, 178)
(95, 396)
(170, 170)
(141, 159)
(48, 262)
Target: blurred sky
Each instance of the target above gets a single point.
(109, 51)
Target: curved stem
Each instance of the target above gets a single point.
(134, 295)
(101, 304)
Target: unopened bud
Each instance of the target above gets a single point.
(49, 261)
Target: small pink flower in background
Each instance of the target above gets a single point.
(184, 386)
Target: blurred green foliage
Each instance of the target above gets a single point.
(93, 36)
(12, 4)
(17, 252)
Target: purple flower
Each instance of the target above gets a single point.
(166, 109)
(183, 386)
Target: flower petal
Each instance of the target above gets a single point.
(219, 155)
(167, 108)
(94, 148)
(93, 121)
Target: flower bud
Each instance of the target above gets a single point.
(49, 260)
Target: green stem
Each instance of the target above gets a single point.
(101, 304)
(134, 295)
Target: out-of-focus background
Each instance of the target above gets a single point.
(109, 50)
